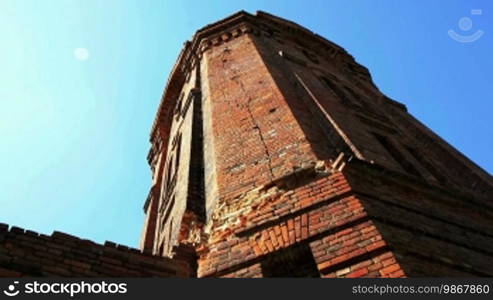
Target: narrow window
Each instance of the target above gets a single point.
(397, 155)
(169, 174)
(170, 232)
(187, 104)
(169, 208)
(353, 94)
(177, 111)
(177, 154)
(312, 57)
(196, 188)
(335, 89)
(428, 166)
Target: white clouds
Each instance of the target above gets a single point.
(81, 54)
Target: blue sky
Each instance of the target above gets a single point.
(74, 132)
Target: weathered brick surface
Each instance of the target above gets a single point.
(295, 164)
(433, 231)
(323, 214)
(27, 253)
(274, 154)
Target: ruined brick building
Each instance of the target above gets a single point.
(274, 154)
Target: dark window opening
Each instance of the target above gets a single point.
(428, 166)
(335, 89)
(172, 165)
(397, 155)
(170, 231)
(196, 188)
(187, 104)
(312, 57)
(169, 173)
(178, 152)
(296, 261)
(177, 111)
(353, 93)
(356, 99)
(164, 218)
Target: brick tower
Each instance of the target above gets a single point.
(274, 154)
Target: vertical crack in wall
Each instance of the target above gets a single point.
(235, 77)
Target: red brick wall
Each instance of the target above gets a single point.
(274, 154)
(27, 253)
(309, 170)
(432, 231)
(257, 137)
(315, 210)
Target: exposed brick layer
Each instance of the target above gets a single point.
(27, 253)
(322, 213)
(305, 168)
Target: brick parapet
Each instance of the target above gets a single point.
(28, 253)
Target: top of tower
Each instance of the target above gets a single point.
(259, 16)
(224, 29)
